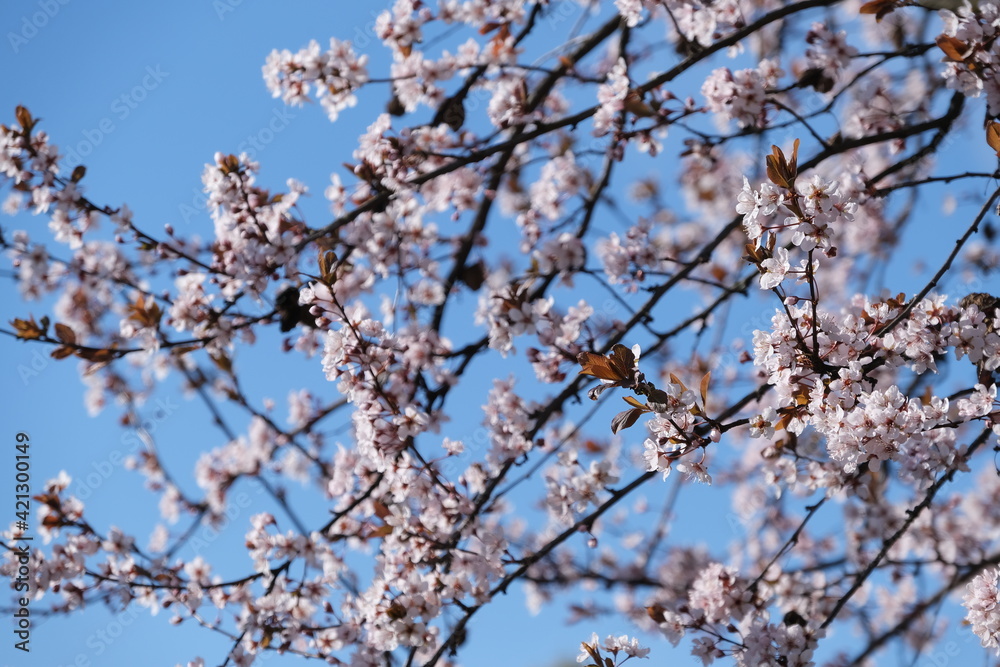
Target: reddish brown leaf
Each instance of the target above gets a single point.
(27, 329)
(634, 402)
(24, 118)
(636, 105)
(381, 511)
(993, 136)
(655, 612)
(145, 314)
(780, 171)
(327, 265)
(622, 361)
(593, 651)
(222, 362)
(793, 166)
(880, 8)
(61, 352)
(954, 48)
(381, 531)
(625, 419)
(774, 170)
(595, 364)
(595, 393)
(65, 334)
(50, 499)
(783, 420)
(98, 356)
(396, 610)
(230, 164)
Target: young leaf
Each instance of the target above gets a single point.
(146, 315)
(793, 166)
(775, 163)
(595, 393)
(780, 171)
(625, 419)
(222, 362)
(655, 612)
(593, 651)
(61, 352)
(954, 48)
(993, 136)
(24, 118)
(880, 8)
(27, 329)
(102, 356)
(622, 361)
(634, 402)
(638, 106)
(619, 367)
(65, 334)
(596, 365)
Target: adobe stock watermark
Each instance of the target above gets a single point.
(121, 108)
(253, 144)
(38, 363)
(101, 640)
(238, 505)
(32, 23)
(223, 7)
(88, 481)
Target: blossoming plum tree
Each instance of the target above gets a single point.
(803, 135)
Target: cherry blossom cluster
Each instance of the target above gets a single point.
(698, 22)
(713, 596)
(862, 423)
(611, 95)
(877, 106)
(255, 232)
(814, 213)
(629, 648)
(674, 410)
(969, 42)
(509, 311)
(376, 372)
(573, 486)
(982, 599)
(828, 56)
(627, 259)
(332, 76)
(741, 96)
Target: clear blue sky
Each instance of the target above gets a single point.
(149, 91)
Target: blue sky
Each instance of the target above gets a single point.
(145, 94)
